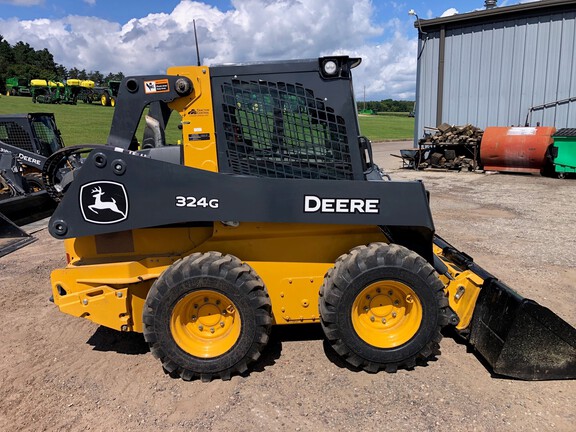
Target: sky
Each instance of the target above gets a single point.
(140, 37)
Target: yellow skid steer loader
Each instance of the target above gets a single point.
(272, 212)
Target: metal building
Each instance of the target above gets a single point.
(497, 67)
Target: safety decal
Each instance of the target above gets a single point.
(156, 86)
(103, 202)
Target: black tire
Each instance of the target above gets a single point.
(382, 335)
(105, 99)
(209, 275)
(34, 182)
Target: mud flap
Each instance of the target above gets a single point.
(520, 338)
(12, 237)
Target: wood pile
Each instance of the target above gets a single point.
(446, 134)
(451, 147)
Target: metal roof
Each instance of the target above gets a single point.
(497, 13)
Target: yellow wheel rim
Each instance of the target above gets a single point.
(386, 314)
(103, 100)
(205, 324)
(113, 102)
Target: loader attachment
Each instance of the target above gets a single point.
(12, 237)
(18, 211)
(516, 336)
(520, 338)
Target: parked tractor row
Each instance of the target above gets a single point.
(69, 92)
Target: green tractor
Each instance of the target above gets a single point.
(110, 93)
(17, 87)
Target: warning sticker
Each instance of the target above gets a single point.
(522, 131)
(199, 137)
(156, 86)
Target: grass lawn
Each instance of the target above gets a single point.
(90, 123)
(387, 126)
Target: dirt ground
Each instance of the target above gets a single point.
(63, 373)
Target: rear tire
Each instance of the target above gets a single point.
(207, 316)
(104, 99)
(382, 307)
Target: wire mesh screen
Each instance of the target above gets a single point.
(44, 129)
(13, 134)
(275, 129)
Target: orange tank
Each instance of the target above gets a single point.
(516, 149)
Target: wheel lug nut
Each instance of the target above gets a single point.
(372, 319)
(211, 329)
(394, 314)
(193, 317)
(383, 320)
(396, 302)
(201, 327)
(366, 309)
(221, 323)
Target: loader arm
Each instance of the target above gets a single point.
(24, 156)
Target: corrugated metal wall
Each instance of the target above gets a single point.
(494, 73)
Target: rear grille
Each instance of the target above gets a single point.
(13, 134)
(275, 129)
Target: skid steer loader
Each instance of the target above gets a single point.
(272, 212)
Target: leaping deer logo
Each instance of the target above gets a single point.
(103, 205)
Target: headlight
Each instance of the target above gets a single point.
(330, 67)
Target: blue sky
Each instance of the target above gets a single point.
(144, 36)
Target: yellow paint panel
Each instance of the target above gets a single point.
(292, 260)
(462, 291)
(197, 112)
(293, 289)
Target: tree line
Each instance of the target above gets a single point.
(387, 105)
(22, 61)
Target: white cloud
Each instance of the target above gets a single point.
(90, 2)
(449, 12)
(252, 30)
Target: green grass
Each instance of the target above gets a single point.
(79, 124)
(90, 123)
(387, 126)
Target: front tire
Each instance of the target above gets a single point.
(382, 307)
(207, 316)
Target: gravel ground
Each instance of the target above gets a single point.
(63, 373)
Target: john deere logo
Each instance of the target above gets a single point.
(104, 202)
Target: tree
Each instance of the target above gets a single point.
(118, 76)
(97, 77)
